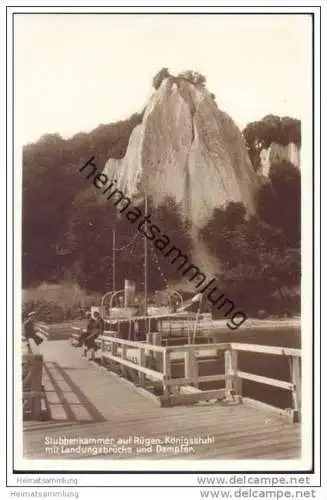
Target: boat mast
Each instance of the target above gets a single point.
(114, 258)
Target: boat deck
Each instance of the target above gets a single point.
(87, 401)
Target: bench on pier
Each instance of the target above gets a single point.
(44, 330)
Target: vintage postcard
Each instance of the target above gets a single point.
(163, 187)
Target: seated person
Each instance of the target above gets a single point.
(86, 331)
(97, 329)
(30, 331)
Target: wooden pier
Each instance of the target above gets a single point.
(133, 391)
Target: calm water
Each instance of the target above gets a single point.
(261, 364)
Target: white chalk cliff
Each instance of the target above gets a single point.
(190, 150)
(276, 153)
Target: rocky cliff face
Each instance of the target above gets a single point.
(277, 153)
(188, 149)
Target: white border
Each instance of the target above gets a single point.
(199, 465)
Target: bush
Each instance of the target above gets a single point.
(160, 77)
(52, 312)
(193, 77)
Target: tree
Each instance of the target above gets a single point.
(193, 77)
(51, 182)
(257, 260)
(260, 134)
(279, 201)
(168, 217)
(160, 77)
(88, 240)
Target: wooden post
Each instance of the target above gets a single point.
(142, 363)
(130, 329)
(157, 355)
(123, 356)
(148, 340)
(194, 369)
(36, 384)
(187, 366)
(189, 334)
(167, 373)
(237, 381)
(102, 349)
(233, 384)
(190, 367)
(294, 364)
(114, 348)
(228, 369)
(148, 352)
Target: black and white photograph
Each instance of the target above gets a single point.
(163, 180)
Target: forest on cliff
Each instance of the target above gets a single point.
(67, 228)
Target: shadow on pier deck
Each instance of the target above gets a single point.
(87, 401)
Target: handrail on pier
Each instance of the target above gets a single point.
(294, 362)
(153, 362)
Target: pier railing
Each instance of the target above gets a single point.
(235, 376)
(153, 367)
(153, 364)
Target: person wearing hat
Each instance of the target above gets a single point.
(97, 329)
(86, 332)
(30, 329)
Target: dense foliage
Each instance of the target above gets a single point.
(51, 189)
(160, 77)
(260, 134)
(260, 255)
(190, 76)
(88, 244)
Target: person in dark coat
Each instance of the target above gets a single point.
(86, 331)
(30, 331)
(96, 330)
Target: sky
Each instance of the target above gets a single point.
(75, 72)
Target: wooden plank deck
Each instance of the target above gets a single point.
(88, 402)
